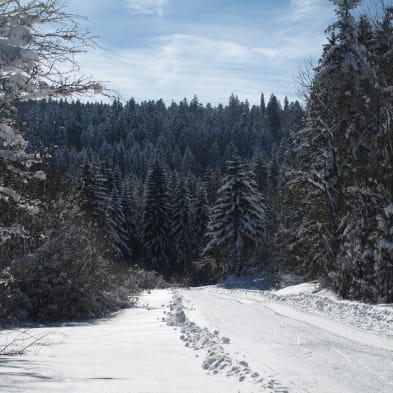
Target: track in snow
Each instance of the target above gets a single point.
(133, 352)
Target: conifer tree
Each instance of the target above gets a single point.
(237, 222)
(274, 118)
(132, 220)
(156, 228)
(261, 171)
(180, 226)
(116, 226)
(340, 191)
(200, 214)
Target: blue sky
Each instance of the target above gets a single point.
(172, 49)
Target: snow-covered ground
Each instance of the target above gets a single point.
(133, 352)
(307, 341)
(212, 339)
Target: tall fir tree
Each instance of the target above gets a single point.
(200, 214)
(237, 222)
(156, 211)
(180, 226)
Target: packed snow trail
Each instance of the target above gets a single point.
(304, 352)
(133, 352)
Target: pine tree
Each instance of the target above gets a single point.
(340, 190)
(132, 219)
(213, 183)
(200, 213)
(116, 226)
(180, 226)
(383, 255)
(261, 171)
(237, 222)
(155, 237)
(274, 118)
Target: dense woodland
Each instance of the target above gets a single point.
(104, 192)
(152, 176)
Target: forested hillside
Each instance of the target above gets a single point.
(150, 175)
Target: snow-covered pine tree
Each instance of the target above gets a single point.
(315, 187)
(383, 255)
(96, 192)
(156, 227)
(237, 222)
(340, 187)
(116, 226)
(213, 183)
(200, 214)
(261, 171)
(180, 226)
(378, 37)
(132, 219)
(274, 118)
(350, 174)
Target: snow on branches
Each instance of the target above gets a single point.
(38, 44)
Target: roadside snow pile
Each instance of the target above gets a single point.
(309, 298)
(217, 360)
(377, 318)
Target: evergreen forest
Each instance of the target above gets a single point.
(97, 198)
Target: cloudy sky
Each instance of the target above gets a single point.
(172, 49)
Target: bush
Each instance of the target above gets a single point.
(66, 278)
(140, 279)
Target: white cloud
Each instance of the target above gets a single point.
(308, 9)
(181, 65)
(147, 7)
(210, 58)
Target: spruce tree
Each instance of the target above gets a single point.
(274, 118)
(155, 237)
(116, 226)
(132, 219)
(340, 190)
(237, 222)
(180, 226)
(200, 214)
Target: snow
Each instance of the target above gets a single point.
(10, 137)
(133, 352)
(8, 192)
(304, 288)
(389, 210)
(41, 175)
(305, 341)
(6, 233)
(297, 339)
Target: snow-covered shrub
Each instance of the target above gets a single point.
(140, 279)
(66, 278)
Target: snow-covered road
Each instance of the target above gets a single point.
(305, 352)
(254, 341)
